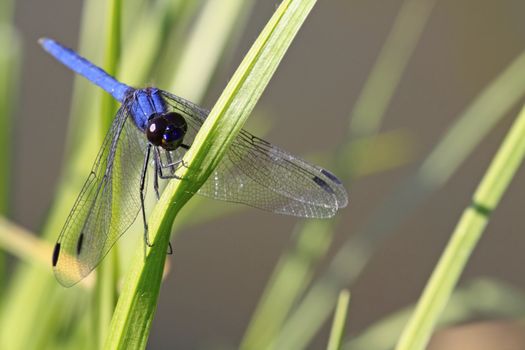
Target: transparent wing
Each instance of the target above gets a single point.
(259, 174)
(107, 205)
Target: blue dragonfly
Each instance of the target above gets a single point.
(154, 127)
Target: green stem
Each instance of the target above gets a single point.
(477, 299)
(105, 297)
(338, 325)
(136, 306)
(463, 136)
(291, 276)
(6, 12)
(111, 58)
(206, 43)
(384, 78)
(464, 239)
(9, 76)
(365, 120)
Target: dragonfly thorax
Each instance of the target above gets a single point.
(166, 130)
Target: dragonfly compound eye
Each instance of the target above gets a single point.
(155, 130)
(172, 138)
(174, 131)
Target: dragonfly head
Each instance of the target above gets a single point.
(166, 130)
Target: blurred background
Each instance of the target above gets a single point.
(436, 60)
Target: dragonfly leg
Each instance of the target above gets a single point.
(158, 172)
(159, 166)
(168, 177)
(142, 187)
(170, 162)
(156, 180)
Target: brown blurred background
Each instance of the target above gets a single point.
(219, 270)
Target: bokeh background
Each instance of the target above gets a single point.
(220, 268)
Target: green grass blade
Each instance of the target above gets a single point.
(9, 67)
(465, 237)
(6, 12)
(206, 43)
(148, 38)
(10, 57)
(105, 296)
(136, 306)
(23, 244)
(108, 105)
(338, 325)
(475, 123)
(176, 42)
(83, 143)
(292, 274)
(466, 133)
(366, 118)
(294, 271)
(136, 64)
(480, 298)
(371, 105)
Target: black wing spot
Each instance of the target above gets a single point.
(56, 252)
(323, 185)
(79, 243)
(331, 176)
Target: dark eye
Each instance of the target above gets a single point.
(155, 130)
(172, 137)
(166, 130)
(176, 120)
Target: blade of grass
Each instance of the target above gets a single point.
(366, 119)
(82, 145)
(206, 43)
(480, 298)
(10, 58)
(28, 247)
(108, 105)
(105, 296)
(9, 67)
(167, 16)
(83, 142)
(370, 107)
(7, 8)
(136, 306)
(381, 152)
(338, 325)
(295, 272)
(465, 134)
(465, 237)
(150, 33)
(177, 38)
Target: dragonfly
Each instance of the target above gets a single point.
(154, 129)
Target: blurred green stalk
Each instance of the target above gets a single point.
(338, 325)
(478, 299)
(294, 271)
(205, 46)
(83, 142)
(105, 294)
(9, 75)
(269, 319)
(459, 141)
(383, 80)
(108, 105)
(465, 237)
(137, 303)
(10, 58)
(163, 24)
